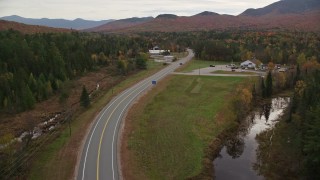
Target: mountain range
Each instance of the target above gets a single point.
(302, 15)
(284, 7)
(57, 23)
(285, 14)
(29, 29)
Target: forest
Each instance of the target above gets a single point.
(33, 67)
(279, 47)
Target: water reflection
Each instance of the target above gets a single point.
(238, 155)
(235, 147)
(266, 111)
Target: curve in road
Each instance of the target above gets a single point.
(99, 155)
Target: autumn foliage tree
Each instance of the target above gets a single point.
(84, 99)
(242, 102)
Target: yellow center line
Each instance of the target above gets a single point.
(104, 128)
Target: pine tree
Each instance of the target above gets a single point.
(263, 88)
(27, 99)
(297, 77)
(253, 92)
(84, 99)
(269, 85)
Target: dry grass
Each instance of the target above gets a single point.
(167, 132)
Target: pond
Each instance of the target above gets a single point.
(236, 159)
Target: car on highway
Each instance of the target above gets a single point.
(212, 65)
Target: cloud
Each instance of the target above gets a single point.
(110, 9)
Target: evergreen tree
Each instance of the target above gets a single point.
(141, 61)
(253, 92)
(84, 99)
(297, 77)
(27, 98)
(269, 85)
(263, 88)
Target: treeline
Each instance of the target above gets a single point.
(277, 47)
(33, 67)
(304, 115)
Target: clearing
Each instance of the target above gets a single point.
(167, 131)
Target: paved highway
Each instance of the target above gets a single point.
(99, 154)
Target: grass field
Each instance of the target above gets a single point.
(58, 159)
(196, 64)
(173, 124)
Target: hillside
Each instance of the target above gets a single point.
(285, 14)
(29, 29)
(284, 7)
(57, 23)
(120, 24)
(308, 21)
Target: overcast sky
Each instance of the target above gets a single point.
(118, 9)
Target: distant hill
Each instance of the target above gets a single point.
(167, 16)
(302, 15)
(120, 24)
(207, 13)
(284, 7)
(29, 29)
(57, 23)
(308, 21)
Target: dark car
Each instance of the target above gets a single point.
(212, 65)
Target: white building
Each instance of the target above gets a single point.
(250, 64)
(157, 51)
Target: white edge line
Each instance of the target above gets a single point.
(114, 132)
(136, 87)
(85, 159)
(142, 82)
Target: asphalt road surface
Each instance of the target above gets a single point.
(99, 154)
(208, 71)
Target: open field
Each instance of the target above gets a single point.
(196, 64)
(58, 159)
(167, 132)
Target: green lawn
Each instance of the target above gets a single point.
(196, 64)
(173, 127)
